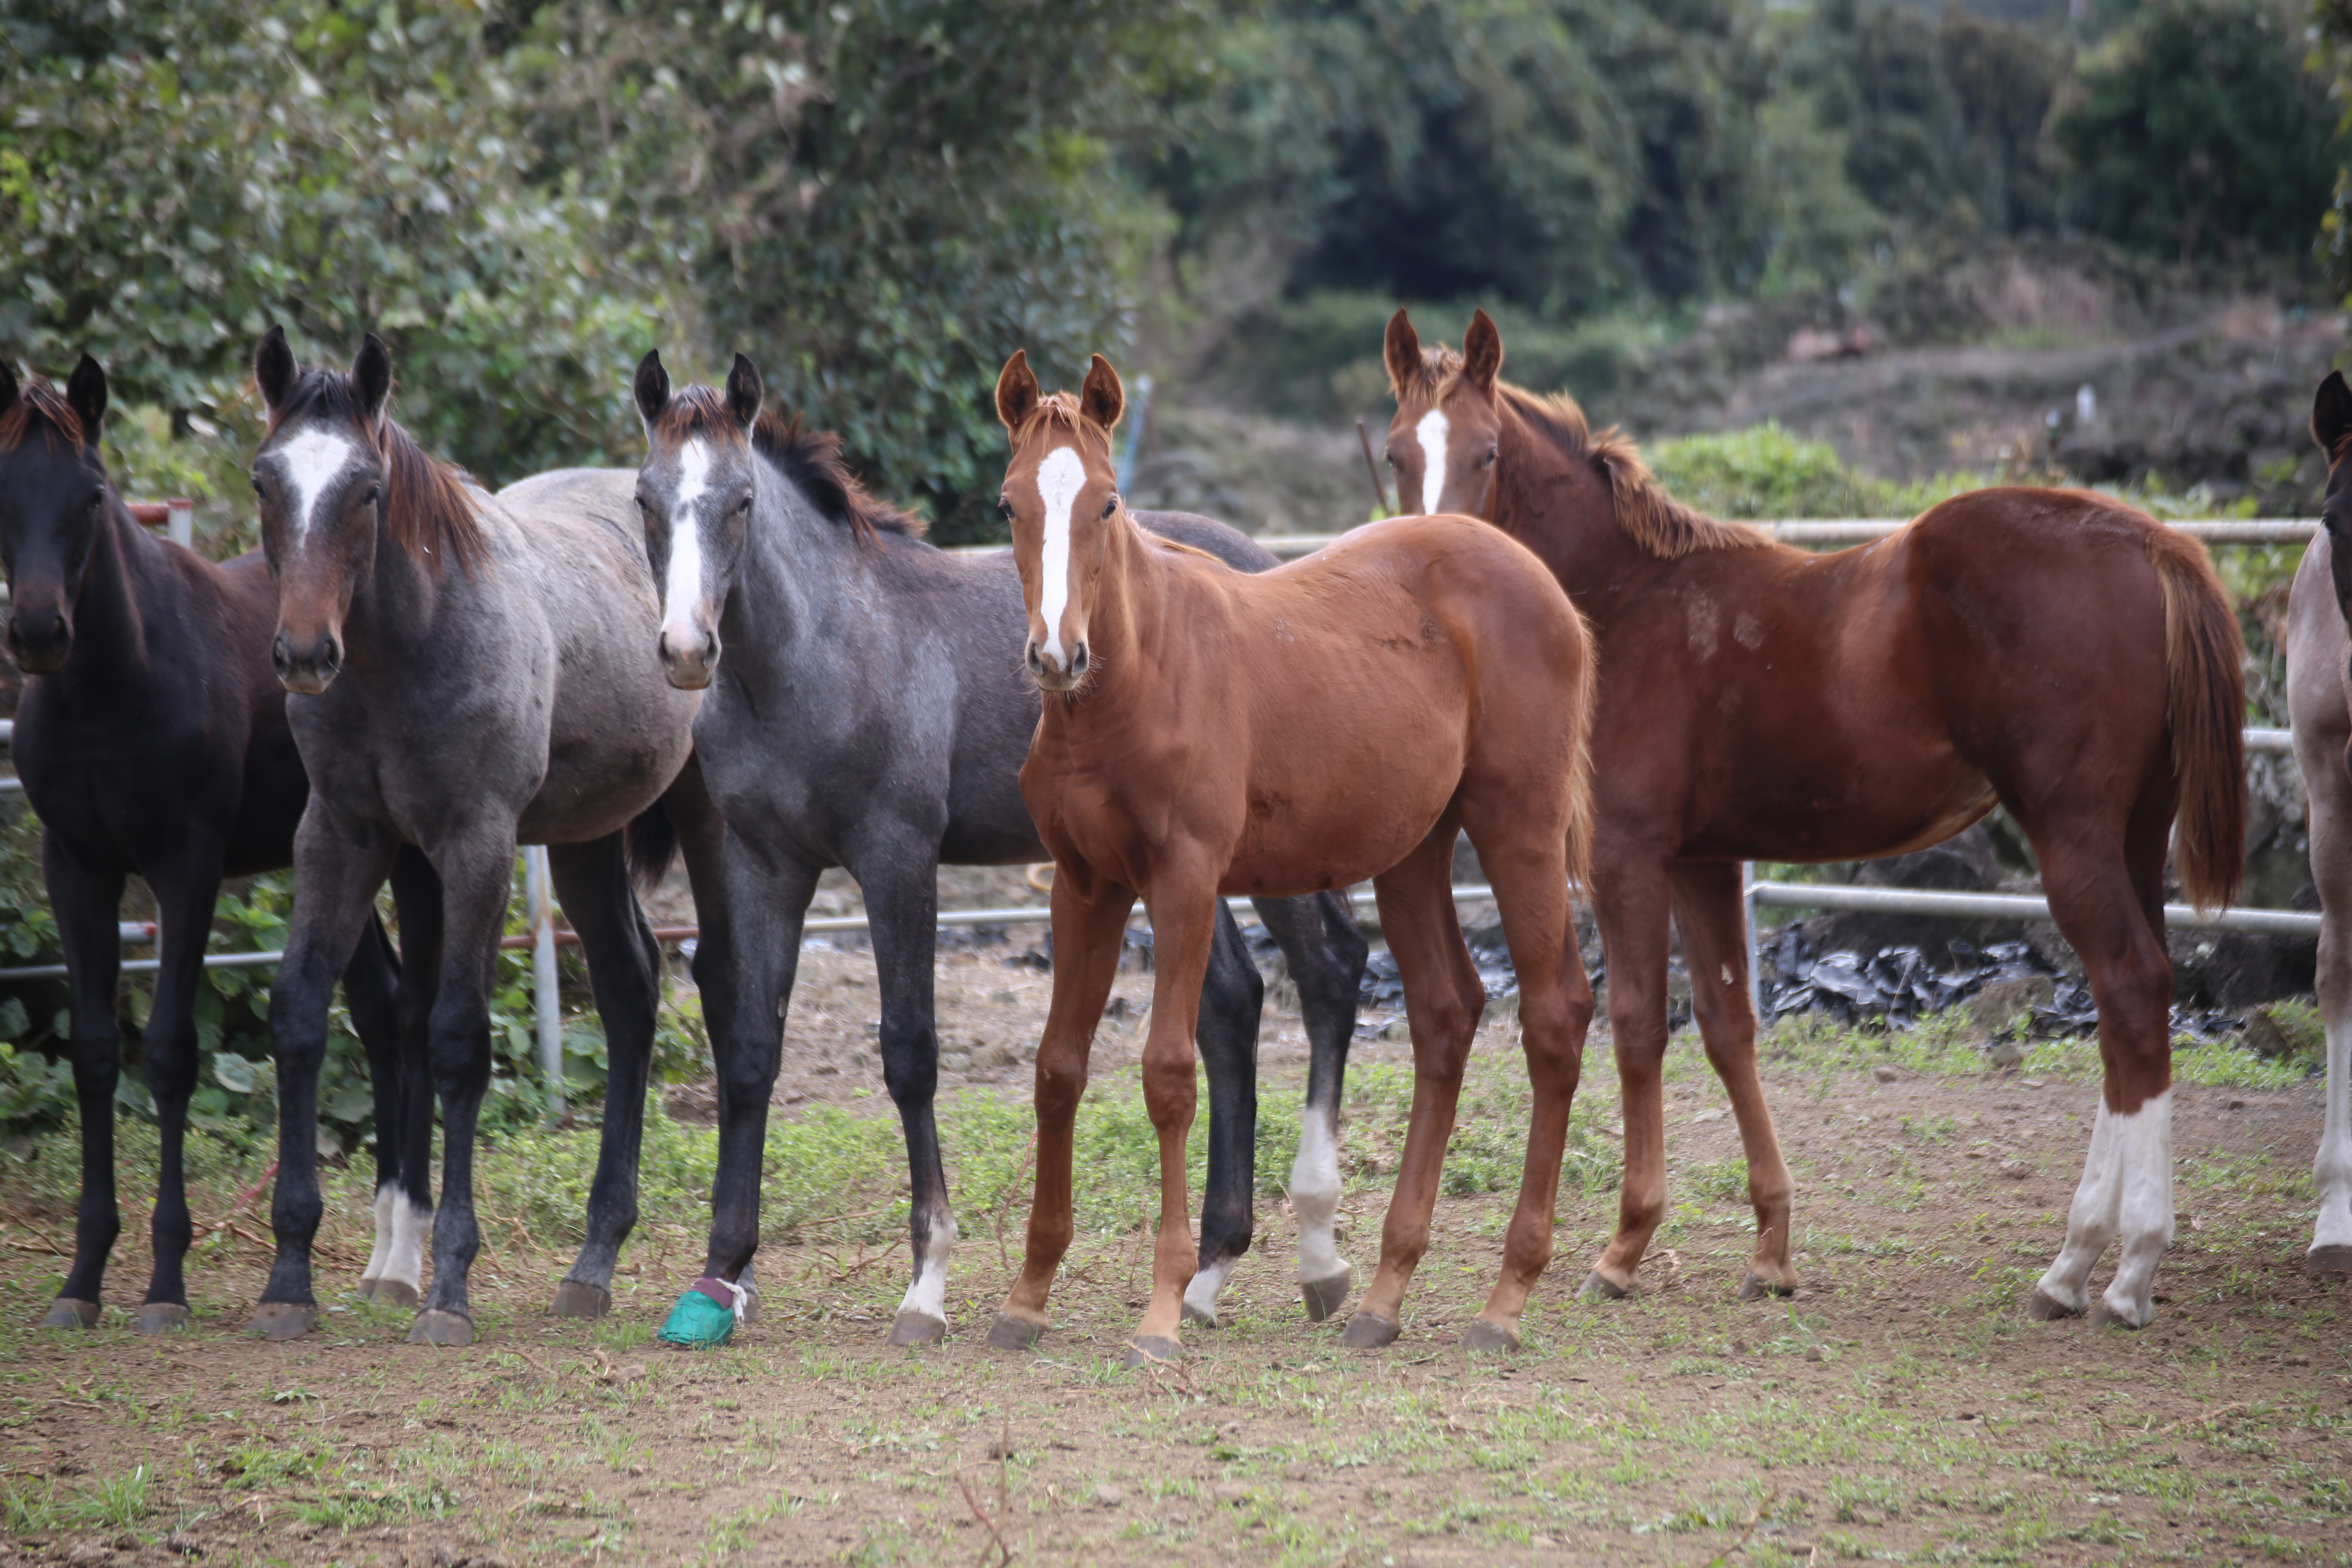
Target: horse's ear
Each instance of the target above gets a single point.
(743, 391)
(1482, 351)
(1102, 399)
(372, 379)
(2331, 415)
(274, 369)
(1016, 390)
(652, 389)
(86, 396)
(1401, 349)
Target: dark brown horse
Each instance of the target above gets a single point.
(1208, 731)
(2054, 652)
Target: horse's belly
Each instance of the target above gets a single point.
(1890, 805)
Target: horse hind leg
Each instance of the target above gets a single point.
(371, 989)
(900, 875)
(404, 1198)
(2331, 1169)
(88, 903)
(1232, 1002)
(1327, 956)
(592, 883)
(1713, 924)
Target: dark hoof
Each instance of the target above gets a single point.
(2335, 1259)
(2044, 1308)
(1012, 1333)
(1323, 1298)
(1491, 1339)
(1367, 1332)
(1753, 1287)
(283, 1319)
(163, 1317)
(577, 1298)
(397, 1293)
(65, 1312)
(1598, 1287)
(1151, 1350)
(439, 1328)
(918, 1329)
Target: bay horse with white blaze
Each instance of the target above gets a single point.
(867, 709)
(2319, 704)
(471, 672)
(1208, 731)
(2054, 652)
(151, 741)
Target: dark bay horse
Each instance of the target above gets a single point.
(472, 672)
(2319, 702)
(151, 740)
(870, 711)
(2054, 652)
(1207, 732)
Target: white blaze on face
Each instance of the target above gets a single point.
(1060, 477)
(2127, 1193)
(311, 460)
(1430, 433)
(682, 589)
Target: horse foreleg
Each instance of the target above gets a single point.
(1443, 1000)
(1232, 1002)
(1183, 901)
(592, 883)
(335, 879)
(183, 915)
(1326, 955)
(1632, 902)
(88, 902)
(1713, 924)
(1088, 932)
(371, 992)
(476, 874)
(900, 877)
(403, 1211)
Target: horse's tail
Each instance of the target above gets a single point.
(2204, 662)
(1580, 773)
(648, 845)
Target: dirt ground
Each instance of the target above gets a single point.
(1901, 1408)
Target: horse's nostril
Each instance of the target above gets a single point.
(1078, 660)
(281, 653)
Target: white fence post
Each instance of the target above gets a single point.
(539, 889)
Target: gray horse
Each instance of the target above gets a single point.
(872, 713)
(2319, 700)
(471, 672)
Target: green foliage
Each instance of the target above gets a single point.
(2196, 130)
(1762, 471)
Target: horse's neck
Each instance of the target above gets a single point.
(796, 564)
(396, 613)
(129, 586)
(1560, 506)
(1130, 608)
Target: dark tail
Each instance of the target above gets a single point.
(648, 845)
(2204, 661)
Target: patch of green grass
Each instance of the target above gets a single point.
(115, 1503)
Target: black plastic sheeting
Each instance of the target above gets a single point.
(1384, 989)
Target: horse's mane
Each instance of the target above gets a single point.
(427, 510)
(811, 459)
(38, 399)
(1653, 520)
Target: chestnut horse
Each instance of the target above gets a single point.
(1208, 731)
(2054, 652)
(2319, 702)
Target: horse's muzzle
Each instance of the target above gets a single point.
(306, 671)
(692, 669)
(1051, 675)
(40, 636)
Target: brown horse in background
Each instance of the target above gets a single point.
(1209, 731)
(2054, 652)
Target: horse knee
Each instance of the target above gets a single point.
(1170, 1087)
(1059, 1088)
(911, 1065)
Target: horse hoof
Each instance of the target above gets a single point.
(2105, 1317)
(1598, 1287)
(1323, 1298)
(911, 1328)
(1492, 1339)
(163, 1317)
(2334, 1259)
(1192, 1314)
(283, 1319)
(2044, 1308)
(1151, 1350)
(577, 1298)
(1753, 1287)
(1367, 1332)
(1012, 1333)
(367, 1288)
(397, 1293)
(65, 1312)
(440, 1328)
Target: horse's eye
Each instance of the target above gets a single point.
(1488, 461)
(1110, 507)
(373, 493)
(1004, 508)
(1389, 459)
(256, 486)
(744, 505)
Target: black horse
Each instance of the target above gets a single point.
(151, 740)
(872, 713)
